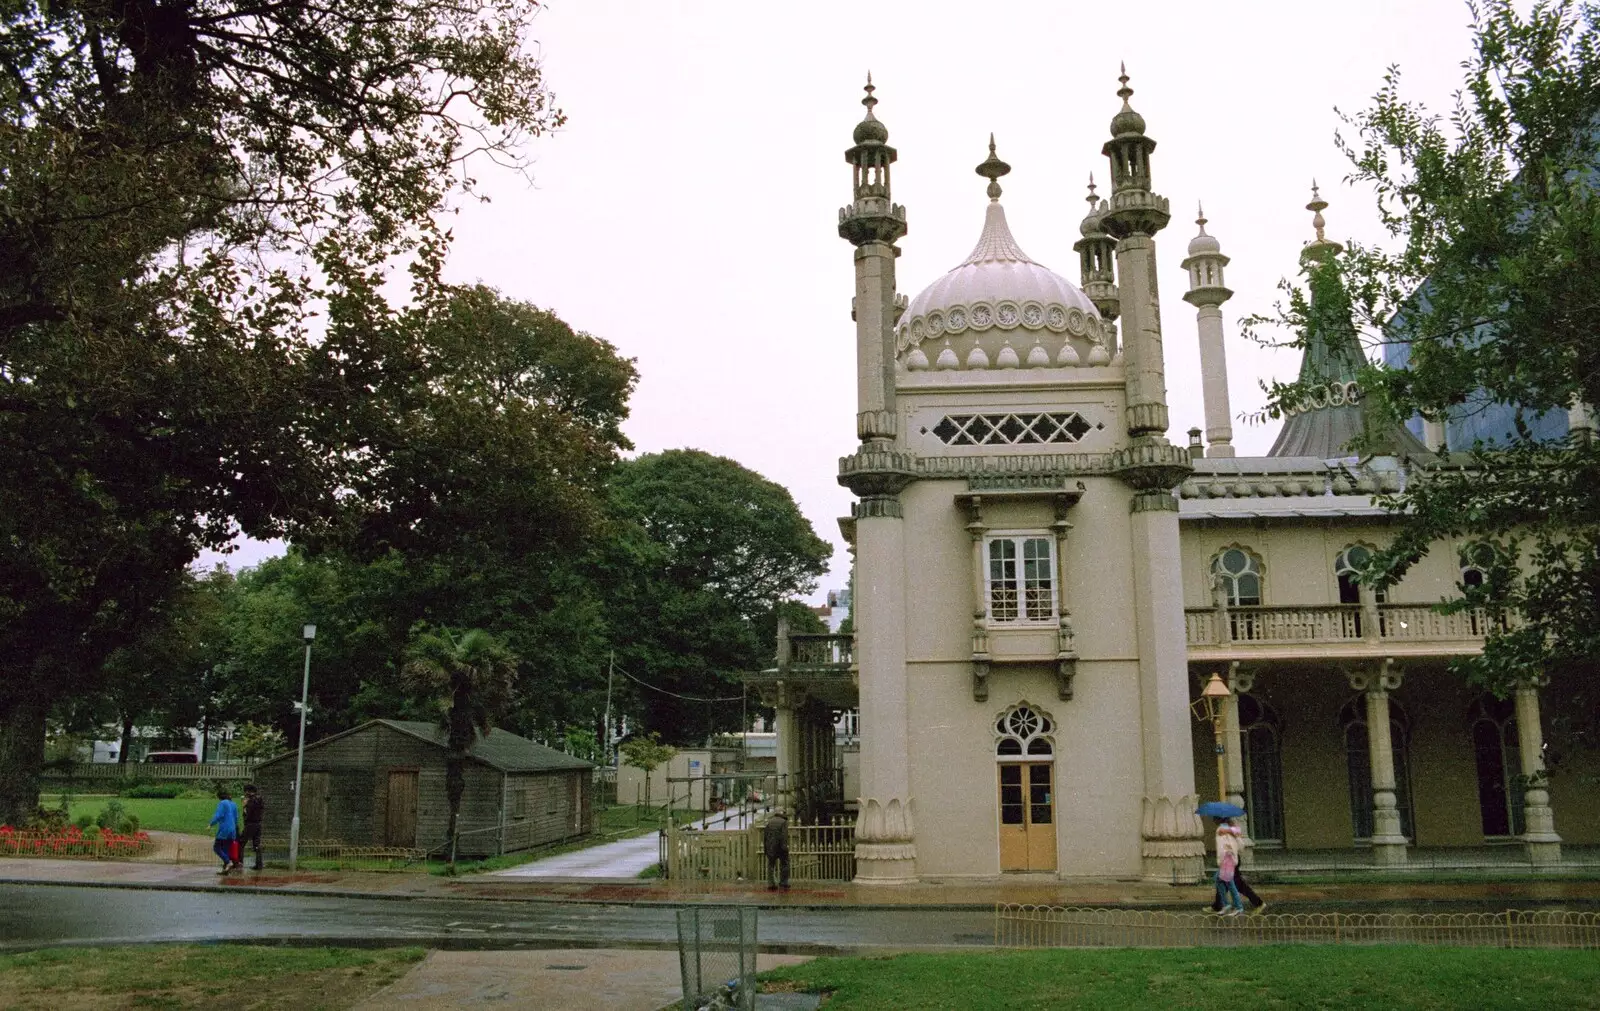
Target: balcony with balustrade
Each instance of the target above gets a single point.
(1339, 631)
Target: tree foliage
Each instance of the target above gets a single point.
(708, 551)
(201, 199)
(1490, 286)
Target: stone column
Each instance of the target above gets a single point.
(976, 528)
(1389, 846)
(1539, 821)
(788, 731)
(885, 851)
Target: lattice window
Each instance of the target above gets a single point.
(1024, 732)
(1012, 429)
(1025, 592)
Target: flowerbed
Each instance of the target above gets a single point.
(71, 841)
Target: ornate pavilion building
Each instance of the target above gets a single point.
(1044, 582)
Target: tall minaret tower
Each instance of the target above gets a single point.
(1206, 293)
(1097, 259)
(1171, 846)
(876, 473)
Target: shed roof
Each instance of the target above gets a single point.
(499, 749)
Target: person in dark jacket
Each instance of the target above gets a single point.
(775, 843)
(254, 809)
(1258, 905)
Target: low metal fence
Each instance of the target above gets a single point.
(320, 853)
(816, 853)
(1030, 926)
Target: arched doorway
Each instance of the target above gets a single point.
(1261, 733)
(1025, 755)
(1499, 761)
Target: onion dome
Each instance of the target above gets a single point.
(917, 360)
(998, 289)
(869, 130)
(1038, 357)
(1126, 120)
(1203, 243)
(1007, 358)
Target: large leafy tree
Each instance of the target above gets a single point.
(706, 553)
(1491, 286)
(200, 200)
(466, 681)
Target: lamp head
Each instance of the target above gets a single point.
(309, 632)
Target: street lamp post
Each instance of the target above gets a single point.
(308, 633)
(1213, 697)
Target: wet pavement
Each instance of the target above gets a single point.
(625, 858)
(32, 915)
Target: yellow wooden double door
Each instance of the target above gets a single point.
(1027, 817)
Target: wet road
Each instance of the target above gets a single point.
(30, 915)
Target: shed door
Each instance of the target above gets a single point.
(400, 828)
(314, 806)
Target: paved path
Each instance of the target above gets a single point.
(618, 980)
(625, 858)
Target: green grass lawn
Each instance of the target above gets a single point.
(236, 977)
(156, 814)
(1267, 977)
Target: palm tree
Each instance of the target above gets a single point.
(467, 681)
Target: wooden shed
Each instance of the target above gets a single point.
(383, 784)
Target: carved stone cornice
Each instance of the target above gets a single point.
(1383, 676)
(1152, 464)
(875, 472)
(873, 219)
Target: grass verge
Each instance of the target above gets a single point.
(1266, 977)
(155, 814)
(187, 976)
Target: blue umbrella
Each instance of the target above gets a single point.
(1219, 809)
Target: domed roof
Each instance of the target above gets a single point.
(1203, 243)
(997, 284)
(870, 129)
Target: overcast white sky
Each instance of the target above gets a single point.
(687, 213)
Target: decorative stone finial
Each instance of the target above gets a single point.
(1126, 120)
(1124, 92)
(992, 168)
(870, 130)
(1094, 201)
(1316, 207)
(869, 101)
(1200, 209)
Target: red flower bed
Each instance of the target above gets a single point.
(70, 842)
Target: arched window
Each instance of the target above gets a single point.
(1477, 561)
(1358, 762)
(1024, 732)
(1499, 759)
(1347, 566)
(1238, 572)
(1261, 734)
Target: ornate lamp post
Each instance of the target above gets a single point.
(1210, 707)
(308, 633)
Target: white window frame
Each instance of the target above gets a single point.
(1025, 616)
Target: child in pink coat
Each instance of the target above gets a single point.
(1228, 841)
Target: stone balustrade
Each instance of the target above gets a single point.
(1340, 623)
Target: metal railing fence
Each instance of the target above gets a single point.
(96, 771)
(1030, 926)
(816, 853)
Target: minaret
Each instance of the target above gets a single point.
(1206, 293)
(1170, 837)
(1135, 215)
(876, 473)
(1097, 252)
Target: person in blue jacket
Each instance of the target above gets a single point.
(226, 822)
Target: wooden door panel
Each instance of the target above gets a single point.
(1041, 818)
(314, 806)
(400, 822)
(1013, 819)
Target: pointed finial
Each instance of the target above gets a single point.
(992, 168)
(1200, 208)
(1124, 92)
(1316, 207)
(1093, 200)
(869, 101)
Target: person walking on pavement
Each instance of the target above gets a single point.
(226, 822)
(1258, 905)
(254, 808)
(775, 843)
(1228, 847)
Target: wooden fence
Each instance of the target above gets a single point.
(1027, 926)
(816, 853)
(154, 770)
